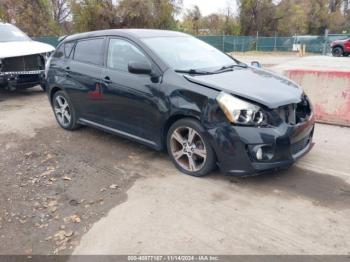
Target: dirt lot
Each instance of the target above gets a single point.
(55, 184)
(88, 192)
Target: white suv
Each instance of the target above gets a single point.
(22, 60)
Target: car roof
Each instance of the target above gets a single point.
(133, 33)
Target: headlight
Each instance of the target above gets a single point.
(240, 112)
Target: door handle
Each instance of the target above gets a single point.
(107, 80)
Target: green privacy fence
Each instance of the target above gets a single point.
(249, 43)
(314, 44)
(52, 40)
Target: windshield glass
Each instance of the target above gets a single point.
(10, 33)
(185, 53)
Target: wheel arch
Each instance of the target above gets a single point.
(53, 91)
(170, 121)
(338, 46)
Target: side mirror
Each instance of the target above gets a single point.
(255, 64)
(139, 68)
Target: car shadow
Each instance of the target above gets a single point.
(323, 190)
(29, 92)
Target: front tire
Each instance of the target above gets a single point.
(337, 51)
(189, 148)
(64, 111)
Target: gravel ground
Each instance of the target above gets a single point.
(88, 192)
(55, 184)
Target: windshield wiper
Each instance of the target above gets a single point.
(230, 67)
(194, 72)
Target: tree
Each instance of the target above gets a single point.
(192, 20)
(60, 11)
(231, 25)
(257, 16)
(32, 16)
(164, 13)
(90, 15)
(293, 18)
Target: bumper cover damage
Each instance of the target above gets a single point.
(22, 72)
(286, 143)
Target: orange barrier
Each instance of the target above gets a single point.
(329, 92)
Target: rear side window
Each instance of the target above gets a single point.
(89, 51)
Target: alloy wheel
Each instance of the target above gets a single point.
(337, 52)
(188, 149)
(62, 111)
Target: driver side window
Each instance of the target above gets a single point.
(121, 53)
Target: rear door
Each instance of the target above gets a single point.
(84, 72)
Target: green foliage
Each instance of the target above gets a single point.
(268, 17)
(290, 17)
(89, 15)
(32, 16)
(216, 23)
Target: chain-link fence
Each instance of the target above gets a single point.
(314, 44)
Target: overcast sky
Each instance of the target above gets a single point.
(209, 6)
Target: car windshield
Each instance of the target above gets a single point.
(10, 33)
(187, 53)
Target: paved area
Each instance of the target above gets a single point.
(304, 210)
(281, 61)
(87, 192)
(267, 59)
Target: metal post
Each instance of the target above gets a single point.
(257, 39)
(223, 42)
(234, 43)
(325, 42)
(275, 45)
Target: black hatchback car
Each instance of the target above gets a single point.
(173, 92)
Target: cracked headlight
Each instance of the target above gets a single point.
(239, 111)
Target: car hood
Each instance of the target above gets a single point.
(23, 48)
(257, 85)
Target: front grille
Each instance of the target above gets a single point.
(300, 145)
(23, 63)
(295, 113)
(28, 79)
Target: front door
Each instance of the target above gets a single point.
(132, 100)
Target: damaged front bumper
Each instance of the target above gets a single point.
(237, 147)
(21, 79)
(22, 71)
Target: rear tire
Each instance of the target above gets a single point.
(346, 54)
(337, 51)
(189, 148)
(64, 111)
